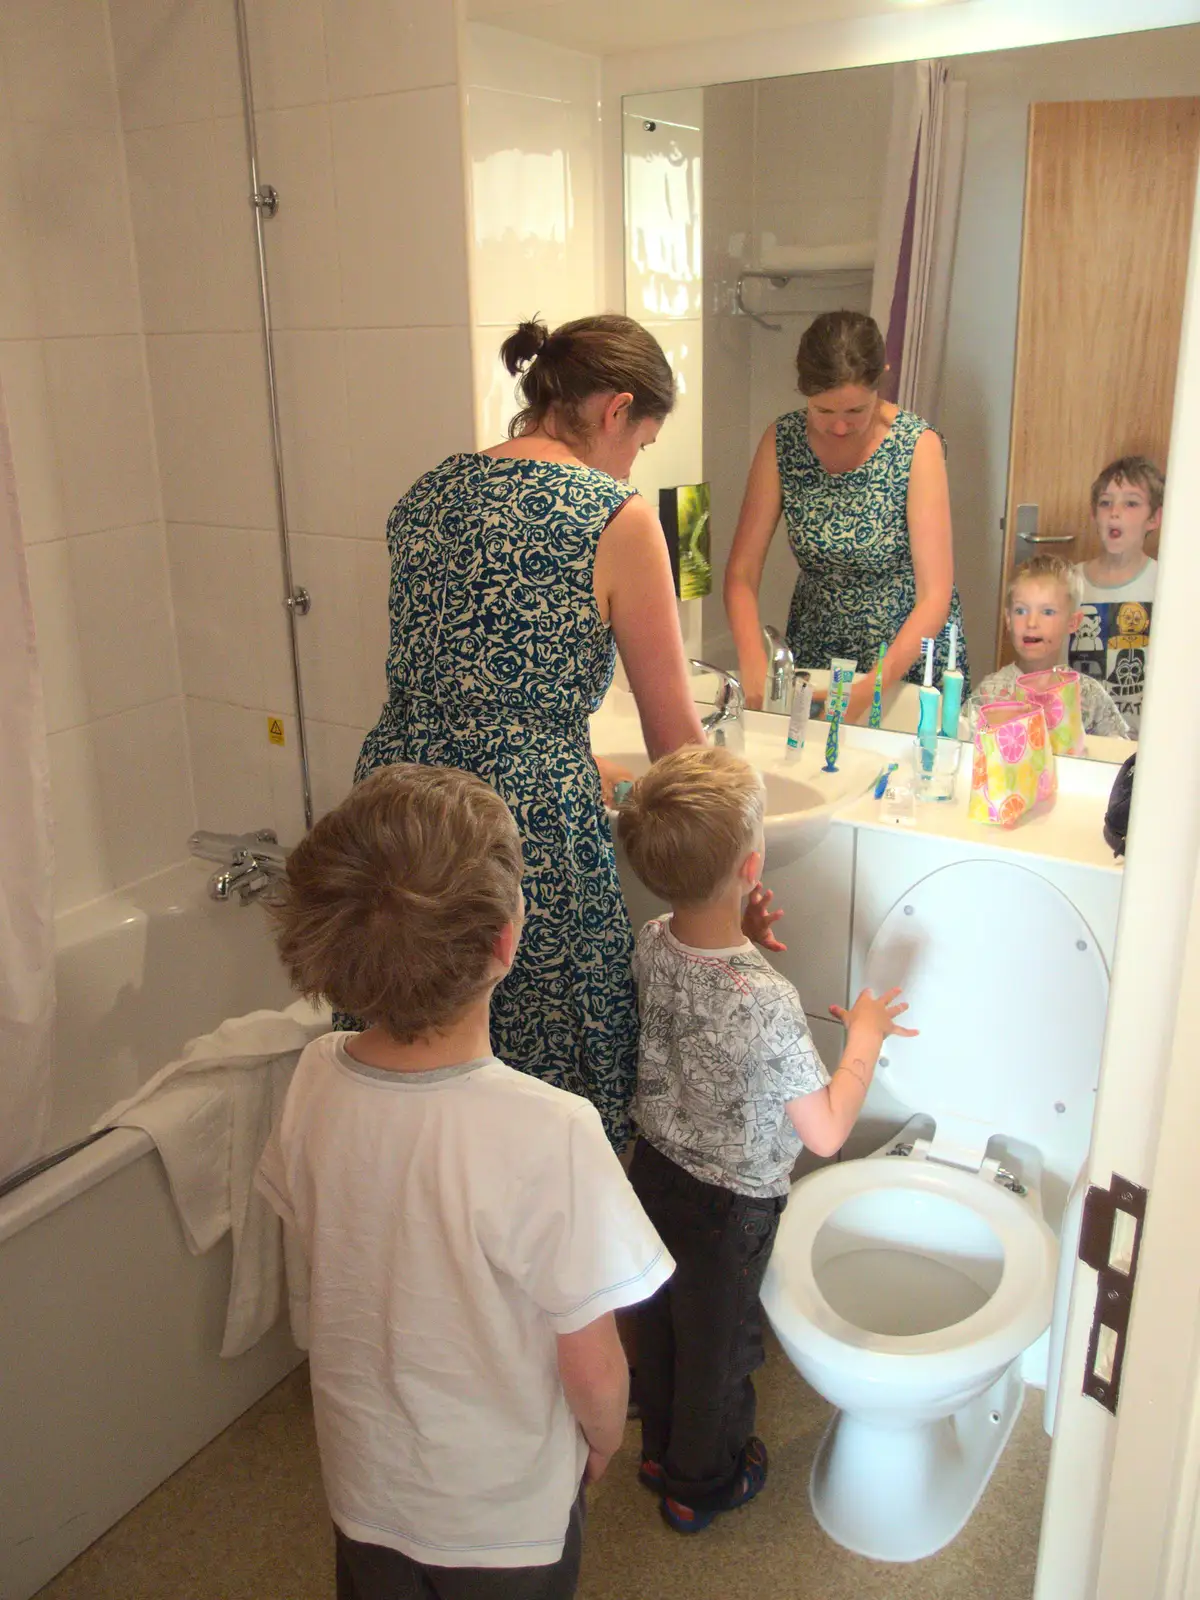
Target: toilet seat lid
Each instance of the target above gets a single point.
(1005, 981)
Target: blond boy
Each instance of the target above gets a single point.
(469, 1231)
(1041, 610)
(729, 1085)
(1111, 640)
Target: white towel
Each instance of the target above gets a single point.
(210, 1114)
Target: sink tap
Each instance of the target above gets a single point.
(723, 724)
(251, 862)
(781, 668)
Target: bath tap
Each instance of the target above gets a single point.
(723, 724)
(252, 862)
(781, 672)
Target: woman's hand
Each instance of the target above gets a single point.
(859, 704)
(611, 774)
(758, 919)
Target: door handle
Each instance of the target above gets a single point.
(1047, 538)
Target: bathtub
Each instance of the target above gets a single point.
(110, 1377)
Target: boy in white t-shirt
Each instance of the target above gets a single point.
(1112, 637)
(729, 1084)
(468, 1230)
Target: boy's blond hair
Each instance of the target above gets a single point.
(1139, 471)
(1047, 569)
(691, 821)
(392, 904)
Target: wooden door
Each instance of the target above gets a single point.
(1108, 208)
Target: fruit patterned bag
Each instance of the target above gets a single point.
(1013, 769)
(1057, 692)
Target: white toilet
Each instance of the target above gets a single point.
(912, 1287)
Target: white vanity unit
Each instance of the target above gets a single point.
(837, 867)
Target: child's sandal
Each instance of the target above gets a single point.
(748, 1482)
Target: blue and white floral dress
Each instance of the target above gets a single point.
(849, 534)
(498, 656)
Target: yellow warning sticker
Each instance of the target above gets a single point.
(275, 730)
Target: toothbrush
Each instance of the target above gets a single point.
(928, 712)
(875, 720)
(952, 688)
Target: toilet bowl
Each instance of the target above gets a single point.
(906, 1286)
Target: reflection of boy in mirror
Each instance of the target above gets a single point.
(1041, 608)
(1118, 584)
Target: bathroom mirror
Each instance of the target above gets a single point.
(1037, 334)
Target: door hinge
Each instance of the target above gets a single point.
(1110, 1239)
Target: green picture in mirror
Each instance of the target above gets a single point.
(685, 513)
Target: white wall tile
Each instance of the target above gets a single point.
(77, 212)
(18, 302)
(229, 748)
(374, 585)
(399, 184)
(315, 425)
(274, 633)
(338, 687)
(176, 60)
(381, 46)
(287, 52)
(194, 230)
(518, 154)
(496, 399)
(296, 157)
(410, 407)
(82, 869)
(283, 777)
(102, 429)
(333, 755)
(677, 456)
(123, 609)
(497, 58)
(219, 611)
(663, 205)
(61, 62)
(212, 425)
(32, 438)
(145, 788)
(63, 678)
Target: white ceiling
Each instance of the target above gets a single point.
(624, 26)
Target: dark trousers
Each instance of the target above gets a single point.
(372, 1572)
(700, 1337)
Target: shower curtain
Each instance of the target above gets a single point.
(26, 892)
(922, 188)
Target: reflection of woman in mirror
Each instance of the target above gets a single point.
(862, 488)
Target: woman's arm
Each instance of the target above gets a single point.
(761, 508)
(636, 595)
(930, 541)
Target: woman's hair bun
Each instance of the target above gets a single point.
(522, 347)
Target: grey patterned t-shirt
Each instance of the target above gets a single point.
(724, 1046)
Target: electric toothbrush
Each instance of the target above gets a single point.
(952, 688)
(928, 712)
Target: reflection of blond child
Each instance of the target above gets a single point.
(1117, 594)
(729, 1084)
(1041, 608)
(468, 1228)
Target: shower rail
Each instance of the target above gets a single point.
(265, 202)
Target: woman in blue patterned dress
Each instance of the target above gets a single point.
(862, 488)
(517, 573)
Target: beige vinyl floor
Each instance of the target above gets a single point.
(246, 1520)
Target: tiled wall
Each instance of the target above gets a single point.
(359, 129)
(533, 148)
(73, 368)
(664, 282)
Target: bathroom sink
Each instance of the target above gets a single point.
(802, 800)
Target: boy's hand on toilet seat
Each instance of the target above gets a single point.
(758, 920)
(877, 1014)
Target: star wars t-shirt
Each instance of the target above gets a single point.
(1113, 640)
